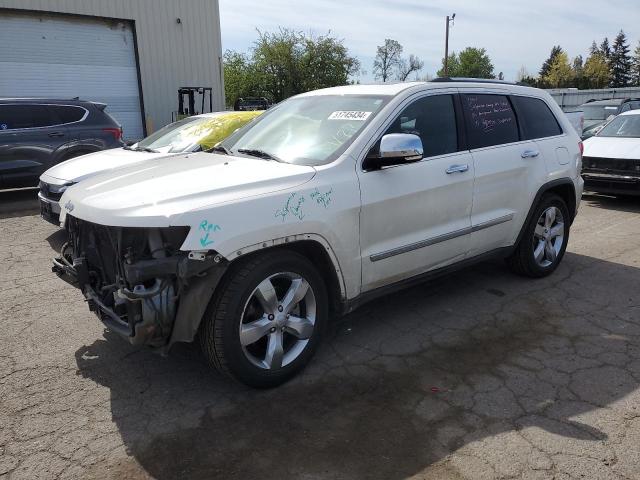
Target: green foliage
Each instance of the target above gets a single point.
(620, 62)
(470, 62)
(635, 66)
(546, 66)
(285, 63)
(560, 74)
(596, 71)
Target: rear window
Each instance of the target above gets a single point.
(68, 113)
(535, 117)
(14, 117)
(598, 112)
(490, 120)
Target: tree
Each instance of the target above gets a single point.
(594, 48)
(620, 62)
(522, 74)
(285, 63)
(388, 58)
(560, 73)
(326, 62)
(546, 66)
(605, 49)
(407, 67)
(578, 72)
(596, 71)
(635, 67)
(470, 62)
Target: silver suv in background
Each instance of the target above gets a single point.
(36, 134)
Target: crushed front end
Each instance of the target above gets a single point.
(138, 281)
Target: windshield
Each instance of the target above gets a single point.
(622, 126)
(311, 130)
(598, 112)
(189, 133)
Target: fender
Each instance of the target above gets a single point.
(541, 191)
(291, 239)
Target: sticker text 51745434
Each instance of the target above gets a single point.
(353, 115)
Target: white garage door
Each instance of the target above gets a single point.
(55, 56)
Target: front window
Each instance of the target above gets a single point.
(598, 112)
(311, 130)
(622, 126)
(190, 133)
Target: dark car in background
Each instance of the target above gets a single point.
(36, 134)
(599, 112)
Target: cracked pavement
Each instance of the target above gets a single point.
(478, 375)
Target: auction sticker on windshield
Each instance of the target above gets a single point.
(353, 115)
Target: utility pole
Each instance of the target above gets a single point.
(446, 45)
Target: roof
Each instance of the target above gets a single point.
(392, 89)
(44, 100)
(609, 101)
(630, 112)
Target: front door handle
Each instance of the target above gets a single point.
(56, 134)
(530, 154)
(457, 169)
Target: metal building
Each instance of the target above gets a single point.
(132, 55)
(570, 98)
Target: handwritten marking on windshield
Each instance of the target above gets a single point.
(206, 228)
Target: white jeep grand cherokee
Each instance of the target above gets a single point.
(329, 199)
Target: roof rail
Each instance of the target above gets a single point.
(476, 80)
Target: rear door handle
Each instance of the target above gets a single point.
(530, 154)
(457, 169)
(56, 134)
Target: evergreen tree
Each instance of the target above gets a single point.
(546, 66)
(635, 67)
(620, 62)
(594, 48)
(560, 73)
(578, 72)
(605, 49)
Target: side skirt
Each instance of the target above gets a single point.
(354, 303)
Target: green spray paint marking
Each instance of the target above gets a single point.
(323, 199)
(293, 207)
(206, 228)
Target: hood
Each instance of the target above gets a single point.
(79, 168)
(154, 193)
(612, 147)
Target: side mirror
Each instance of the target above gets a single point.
(395, 149)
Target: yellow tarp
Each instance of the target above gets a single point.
(222, 126)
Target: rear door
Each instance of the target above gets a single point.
(508, 170)
(30, 136)
(416, 217)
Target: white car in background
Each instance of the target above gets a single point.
(191, 134)
(329, 199)
(611, 162)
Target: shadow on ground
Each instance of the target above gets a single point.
(18, 203)
(397, 386)
(620, 203)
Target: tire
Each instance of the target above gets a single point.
(243, 298)
(538, 234)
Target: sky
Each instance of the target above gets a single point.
(515, 33)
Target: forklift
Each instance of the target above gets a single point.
(189, 94)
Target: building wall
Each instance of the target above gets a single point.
(171, 54)
(570, 98)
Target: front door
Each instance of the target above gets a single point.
(416, 216)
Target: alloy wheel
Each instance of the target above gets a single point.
(548, 237)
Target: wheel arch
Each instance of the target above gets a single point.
(564, 188)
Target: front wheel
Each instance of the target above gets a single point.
(545, 239)
(266, 319)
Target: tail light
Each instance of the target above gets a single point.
(116, 132)
(579, 157)
(581, 147)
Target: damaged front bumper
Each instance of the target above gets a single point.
(141, 288)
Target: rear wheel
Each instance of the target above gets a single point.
(266, 319)
(544, 241)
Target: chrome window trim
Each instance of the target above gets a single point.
(84, 117)
(440, 238)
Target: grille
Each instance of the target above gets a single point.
(611, 165)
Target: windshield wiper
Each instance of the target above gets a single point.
(146, 149)
(260, 154)
(220, 149)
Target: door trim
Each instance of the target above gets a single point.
(376, 257)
